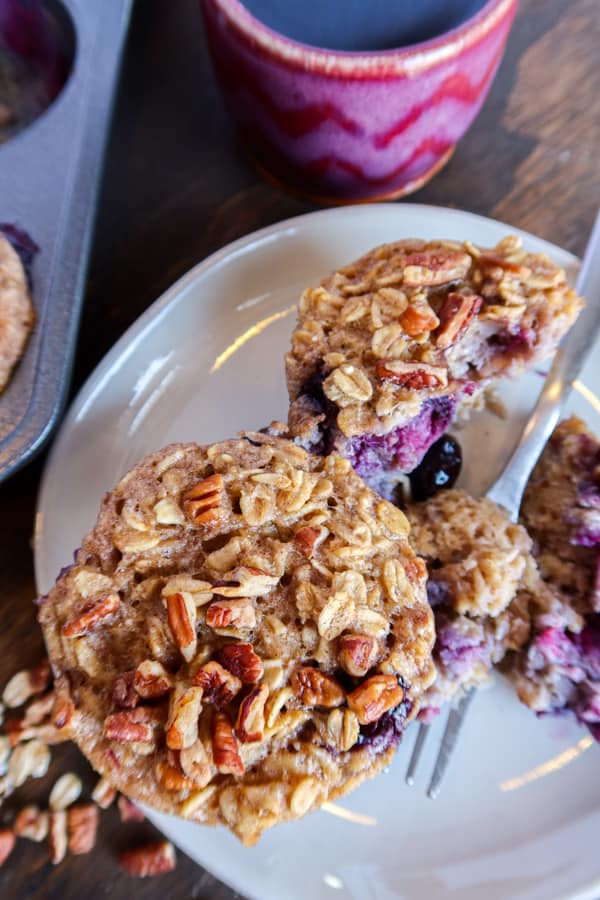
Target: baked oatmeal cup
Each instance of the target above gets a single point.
(17, 317)
(482, 583)
(244, 635)
(391, 348)
(559, 668)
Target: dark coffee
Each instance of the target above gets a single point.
(362, 24)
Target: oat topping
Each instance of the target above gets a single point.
(252, 657)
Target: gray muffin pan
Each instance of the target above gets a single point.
(49, 178)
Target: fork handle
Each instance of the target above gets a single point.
(568, 361)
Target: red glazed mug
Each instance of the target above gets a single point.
(355, 123)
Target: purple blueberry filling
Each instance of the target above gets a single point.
(387, 731)
(516, 343)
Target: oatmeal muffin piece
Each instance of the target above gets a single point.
(483, 580)
(387, 350)
(244, 633)
(16, 310)
(559, 669)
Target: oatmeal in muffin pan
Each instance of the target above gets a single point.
(389, 349)
(16, 309)
(559, 668)
(244, 634)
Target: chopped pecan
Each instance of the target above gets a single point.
(238, 614)
(123, 693)
(57, 836)
(427, 268)
(152, 680)
(195, 764)
(226, 754)
(241, 660)
(203, 503)
(171, 777)
(457, 311)
(148, 860)
(82, 824)
(374, 697)
(128, 810)
(308, 538)
(313, 688)
(90, 614)
(132, 726)
(250, 723)
(181, 613)
(357, 653)
(31, 823)
(416, 376)
(219, 685)
(7, 843)
(184, 710)
(418, 318)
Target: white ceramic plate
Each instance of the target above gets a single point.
(519, 816)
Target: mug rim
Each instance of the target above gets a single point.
(402, 61)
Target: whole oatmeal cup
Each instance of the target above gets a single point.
(244, 635)
(389, 349)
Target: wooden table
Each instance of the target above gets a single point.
(177, 187)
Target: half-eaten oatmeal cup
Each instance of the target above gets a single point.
(244, 635)
(389, 349)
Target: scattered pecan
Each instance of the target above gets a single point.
(374, 697)
(202, 503)
(241, 660)
(416, 376)
(132, 726)
(418, 318)
(57, 836)
(219, 685)
(457, 311)
(181, 614)
(104, 793)
(31, 823)
(123, 692)
(7, 843)
(238, 614)
(152, 680)
(313, 688)
(226, 754)
(90, 614)
(250, 723)
(148, 860)
(184, 711)
(128, 810)
(308, 538)
(26, 684)
(357, 653)
(82, 824)
(427, 268)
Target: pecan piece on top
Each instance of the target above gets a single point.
(133, 726)
(239, 614)
(220, 686)
(250, 723)
(457, 312)
(313, 688)
(418, 318)
(202, 503)
(152, 680)
(123, 693)
(308, 538)
(184, 711)
(241, 660)
(427, 268)
(371, 699)
(226, 753)
(181, 614)
(416, 376)
(90, 614)
(357, 653)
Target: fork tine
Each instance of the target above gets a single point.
(453, 726)
(417, 752)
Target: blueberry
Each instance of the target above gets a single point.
(439, 468)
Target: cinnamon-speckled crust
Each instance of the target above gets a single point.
(244, 633)
(415, 321)
(16, 311)
(483, 585)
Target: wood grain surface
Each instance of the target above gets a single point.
(176, 188)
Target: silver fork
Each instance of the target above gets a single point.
(508, 489)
